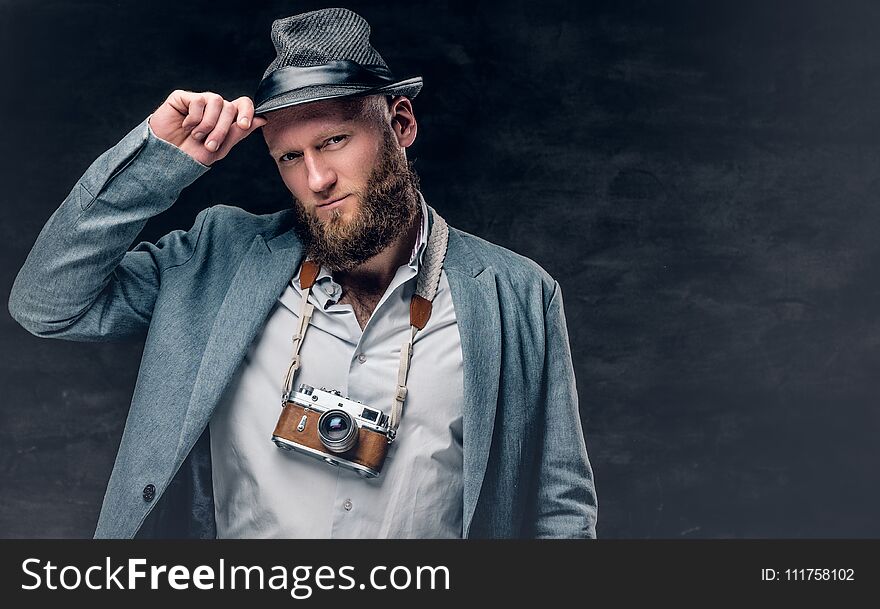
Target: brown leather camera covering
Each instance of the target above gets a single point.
(369, 451)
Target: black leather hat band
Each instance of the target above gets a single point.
(343, 72)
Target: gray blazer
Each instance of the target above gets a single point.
(201, 296)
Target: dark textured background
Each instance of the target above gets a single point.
(701, 177)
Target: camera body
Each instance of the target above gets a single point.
(324, 424)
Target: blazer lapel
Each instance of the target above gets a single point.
(475, 298)
(261, 277)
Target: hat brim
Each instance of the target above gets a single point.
(408, 88)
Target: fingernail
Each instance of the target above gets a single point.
(212, 145)
(199, 136)
(244, 122)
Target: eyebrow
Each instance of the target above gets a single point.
(320, 137)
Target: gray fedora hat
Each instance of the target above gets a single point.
(322, 55)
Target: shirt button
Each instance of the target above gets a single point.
(347, 505)
(149, 493)
(362, 358)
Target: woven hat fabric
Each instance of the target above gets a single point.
(334, 36)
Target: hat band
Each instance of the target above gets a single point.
(343, 72)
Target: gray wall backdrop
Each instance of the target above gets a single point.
(701, 177)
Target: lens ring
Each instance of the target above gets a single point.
(337, 430)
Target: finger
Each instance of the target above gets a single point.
(213, 108)
(195, 113)
(245, 108)
(189, 104)
(236, 134)
(245, 122)
(180, 99)
(246, 114)
(217, 136)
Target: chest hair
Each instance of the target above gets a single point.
(362, 303)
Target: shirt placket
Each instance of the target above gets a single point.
(370, 370)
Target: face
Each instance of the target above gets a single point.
(343, 161)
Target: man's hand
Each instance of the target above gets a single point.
(204, 125)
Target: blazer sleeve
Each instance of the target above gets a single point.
(566, 499)
(79, 282)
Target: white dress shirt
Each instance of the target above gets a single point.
(262, 491)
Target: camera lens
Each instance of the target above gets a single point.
(337, 430)
(337, 427)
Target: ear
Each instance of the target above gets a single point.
(403, 121)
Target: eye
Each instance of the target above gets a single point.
(288, 157)
(335, 140)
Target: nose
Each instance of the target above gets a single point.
(320, 174)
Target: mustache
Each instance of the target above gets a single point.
(388, 205)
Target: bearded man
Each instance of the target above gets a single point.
(447, 404)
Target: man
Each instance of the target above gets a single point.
(477, 390)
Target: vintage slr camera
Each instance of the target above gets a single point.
(328, 426)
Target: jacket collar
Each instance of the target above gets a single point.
(261, 277)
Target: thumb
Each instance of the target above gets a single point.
(255, 123)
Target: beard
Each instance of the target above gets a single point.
(389, 204)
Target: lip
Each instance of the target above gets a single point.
(333, 204)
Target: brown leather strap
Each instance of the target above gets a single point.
(308, 273)
(419, 311)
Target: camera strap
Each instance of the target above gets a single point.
(427, 282)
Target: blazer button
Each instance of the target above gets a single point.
(149, 493)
